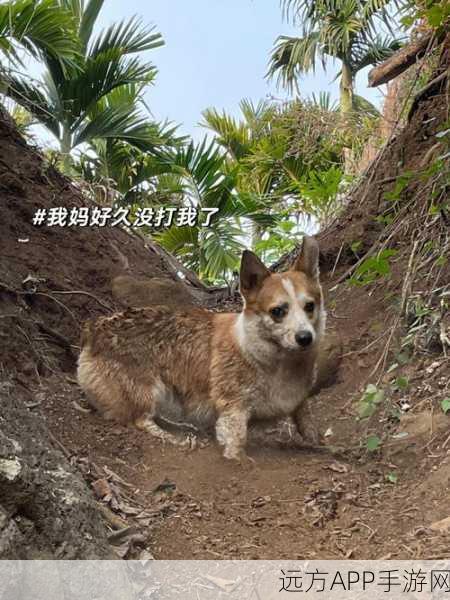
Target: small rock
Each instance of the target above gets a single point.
(10, 469)
(432, 368)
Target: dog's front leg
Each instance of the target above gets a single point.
(304, 421)
(231, 432)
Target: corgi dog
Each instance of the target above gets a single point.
(225, 369)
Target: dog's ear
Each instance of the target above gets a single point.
(308, 261)
(253, 273)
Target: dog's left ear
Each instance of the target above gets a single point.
(308, 261)
(253, 273)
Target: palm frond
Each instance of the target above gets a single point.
(41, 27)
(119, 123)
(296, 10)
(232, 135)
(221, 247)
(31, 98)
(257, 114)
(252, 206)
(291, 57)
(374, 51)
(201, 166)
(363, 107)
(100, 76)
(74, 6)
(87, 20)
(178, 240)
(324, 102)
(129, 37)
(377, 8)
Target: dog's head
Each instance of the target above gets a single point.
(285, 309)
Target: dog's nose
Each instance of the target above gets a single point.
(303, 338)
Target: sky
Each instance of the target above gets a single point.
(216, 53)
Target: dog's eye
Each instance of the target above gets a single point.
(278, 312)
(309, 307)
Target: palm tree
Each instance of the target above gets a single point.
(340, 29)
(289, 156)
(201, 179)
(275, 147)
(79, 104)
(257, 144)
(121, 173)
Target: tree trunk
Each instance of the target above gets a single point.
(66, 147)
(346, 86)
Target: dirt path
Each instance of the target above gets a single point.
(293, 503)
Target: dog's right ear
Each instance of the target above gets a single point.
(253, 273)
(308, 261)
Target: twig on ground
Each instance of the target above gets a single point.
(60, 445)
(81, 292)
(337, 259)
(66, 308)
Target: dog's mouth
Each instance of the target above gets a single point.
(291, 348)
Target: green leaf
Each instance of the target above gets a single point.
(435, 15)
(355, 246)
(407, 21)
(128, 36)
(373, 268)
(445, 405)
(392, 477)
(88, 18)
(373, 443)
(401, 383)
(43, 27)
(371, 399)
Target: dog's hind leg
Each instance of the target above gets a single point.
(149, 397)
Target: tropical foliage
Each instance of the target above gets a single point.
(203, 179)
(42, 28)
(339, 29)
(259, 179)
(277, 150)
(98, 95)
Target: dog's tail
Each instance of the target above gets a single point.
(328, 363)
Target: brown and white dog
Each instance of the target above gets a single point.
(223, 368)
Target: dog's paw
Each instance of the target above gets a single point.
(310, 434)
(240, 458)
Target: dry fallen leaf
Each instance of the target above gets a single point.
(101, 488)
(337, 467)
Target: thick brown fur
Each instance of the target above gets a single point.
(220, 368)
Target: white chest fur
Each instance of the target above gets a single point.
(278, 394)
